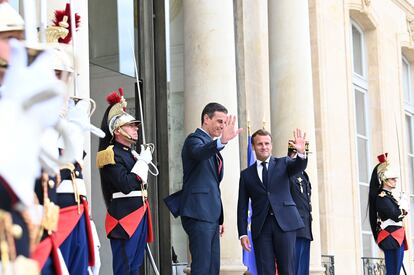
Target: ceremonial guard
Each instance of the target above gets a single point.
(124, 175)
(72, 235)
(20, 109)
(300, 188)
(386, 215)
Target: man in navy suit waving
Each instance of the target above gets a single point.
(201, 209)
(275, 217)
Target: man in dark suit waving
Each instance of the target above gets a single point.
(275, 217)
(201, 208)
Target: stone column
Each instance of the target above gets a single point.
(252, 51)
(210, 75)
(291, 94)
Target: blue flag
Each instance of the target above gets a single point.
(248, 257)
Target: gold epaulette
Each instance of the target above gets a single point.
(105, 157)
(382, 194)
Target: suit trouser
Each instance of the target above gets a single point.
(393, 260)
(272, 245)
(204, 246)
(302, 256)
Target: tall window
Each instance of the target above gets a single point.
(409, 127)
(360, 89)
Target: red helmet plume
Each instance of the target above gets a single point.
(59, 16)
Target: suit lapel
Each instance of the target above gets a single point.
(253, 173)
(212, 160)
(271, 170)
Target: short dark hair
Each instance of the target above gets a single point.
(260, 132)
(210, 108)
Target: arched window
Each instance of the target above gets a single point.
(360, 90)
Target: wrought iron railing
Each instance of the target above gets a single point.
(373, 266)
(328, 262)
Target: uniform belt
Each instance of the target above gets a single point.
(120, 195)
(66, 186)
(389, 222)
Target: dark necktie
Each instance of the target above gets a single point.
(219, 164)
(264, 174)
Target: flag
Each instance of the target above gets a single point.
(248, 257)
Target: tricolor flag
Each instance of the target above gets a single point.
(248, 257)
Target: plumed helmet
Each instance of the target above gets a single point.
(59, 36)
(10, 19)
(385, 170)
(117, 115)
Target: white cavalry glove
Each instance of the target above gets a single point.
(141, 166)
(404, 202)
(35, 87)
(73, 128)
(79, 114)
(31, 98)
(49, 152)
(145, 155)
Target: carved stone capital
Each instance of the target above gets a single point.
(410, 26)
(366, 3)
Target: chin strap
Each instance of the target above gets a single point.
(125, 135)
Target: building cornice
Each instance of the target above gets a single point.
(405, 5)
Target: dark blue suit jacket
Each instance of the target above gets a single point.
(200, 198)
(301, 193)
(277, 199)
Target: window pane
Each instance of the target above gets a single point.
(360, 113)
(357, 50)
(406, 80)
(367, 244)
(363, 196)
(409, 125)
(362, 160)
(410, 170)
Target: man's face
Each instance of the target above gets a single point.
(4, 57)
(132, 130)
(19, 35)
(129, 129)
(262, 147)
(214, 125)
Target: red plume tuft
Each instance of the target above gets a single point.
(113, 98)
(382, 158)
(121, 91)
(59, 14)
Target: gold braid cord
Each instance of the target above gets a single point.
(10, 263)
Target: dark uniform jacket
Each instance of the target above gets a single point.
(115, 178)
(300, 189)
(9, 202)
(388, 208)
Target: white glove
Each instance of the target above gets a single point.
(141, 166)
(31, 97)
(72, 130)
(49, 152)
(73, 141)
(404, 202)
(141, 169)
(145, 155)
(34, 87)
(79, 114)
